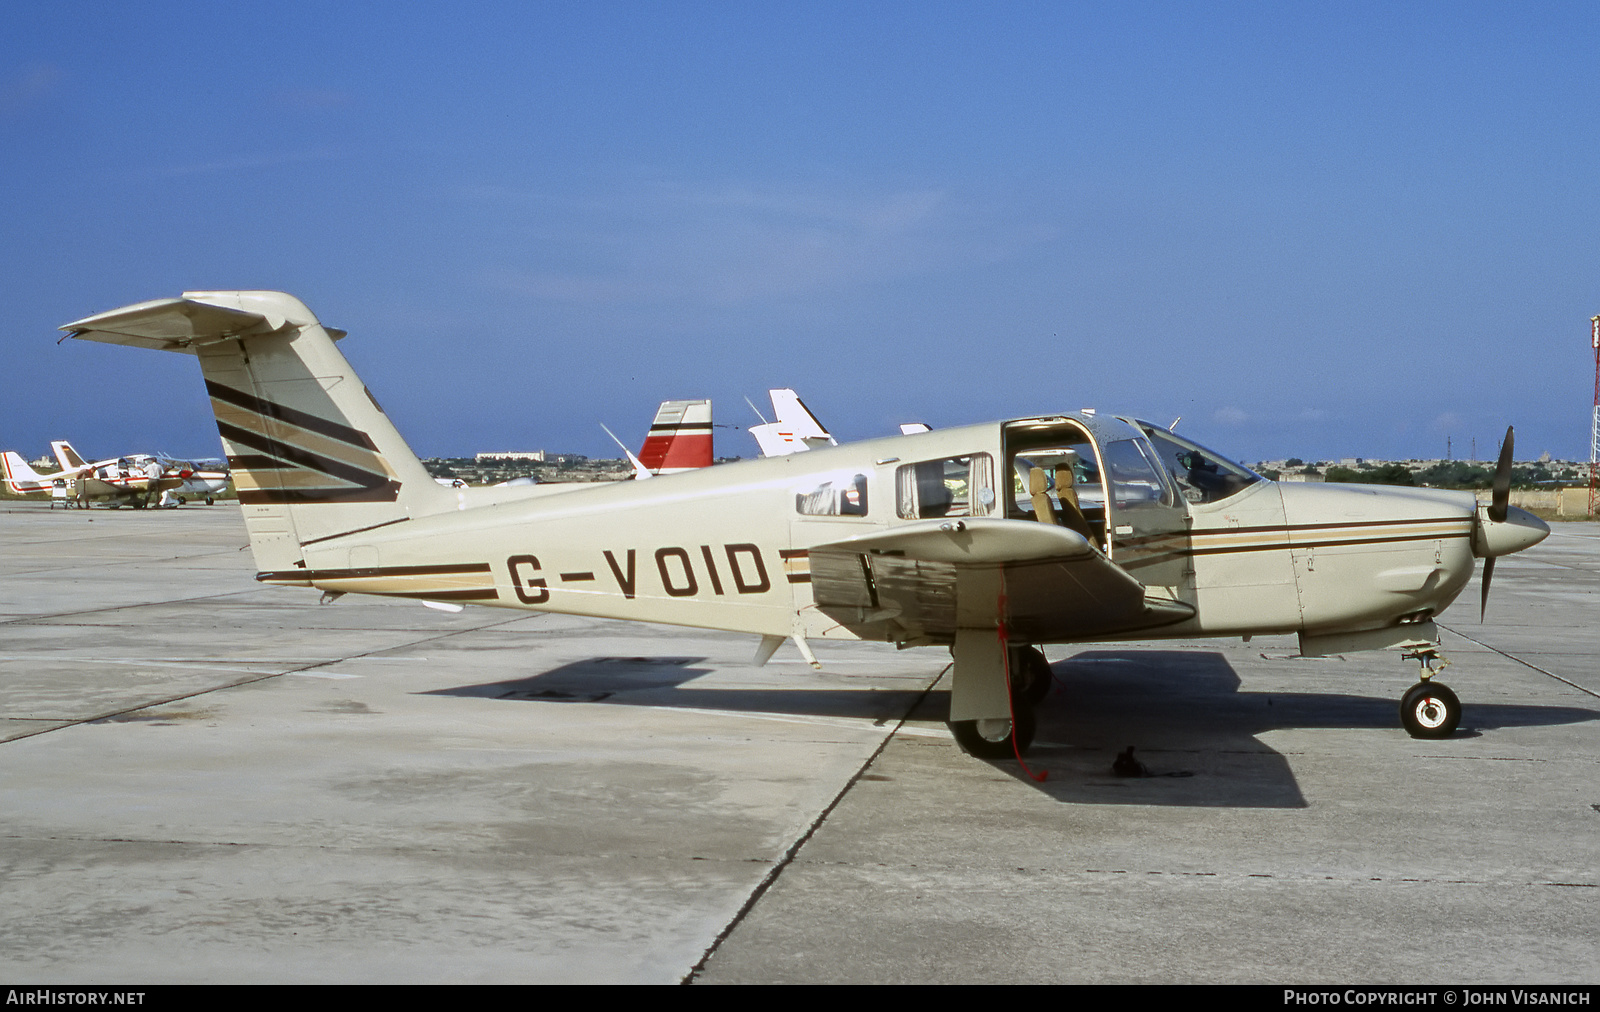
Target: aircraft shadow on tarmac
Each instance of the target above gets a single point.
(660, 681)
(1192, 728)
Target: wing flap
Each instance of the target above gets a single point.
(921, 581)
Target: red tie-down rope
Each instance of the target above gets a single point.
(1011, 699)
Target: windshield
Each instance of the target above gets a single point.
(1201, 475)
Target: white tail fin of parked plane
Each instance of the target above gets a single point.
(66, 456)
(796, 429)
(22, 479)
(313, 455)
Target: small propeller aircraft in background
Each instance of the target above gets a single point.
(137, 480)
(125, 479)
(987, 540)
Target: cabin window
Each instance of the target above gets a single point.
(840, 495)
(953, 487)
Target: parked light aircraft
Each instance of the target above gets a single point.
(122, 482)
(135, 478)
(988, 540)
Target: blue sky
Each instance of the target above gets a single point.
(1319, 230)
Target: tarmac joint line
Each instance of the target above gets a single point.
(800, 841)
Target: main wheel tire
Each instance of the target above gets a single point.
(1430, 710)
(1031, 677)
(992, 739)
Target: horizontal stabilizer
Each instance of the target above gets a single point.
(171, 324)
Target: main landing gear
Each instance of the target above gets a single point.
(1002, 738)
(1429, 709)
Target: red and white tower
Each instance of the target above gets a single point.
(1594, 423)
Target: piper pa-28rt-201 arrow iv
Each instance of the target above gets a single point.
(988, 540)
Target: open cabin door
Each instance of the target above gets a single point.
(1101, 478)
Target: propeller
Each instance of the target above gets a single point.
(1499, 501)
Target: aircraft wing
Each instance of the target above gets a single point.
(922, 581)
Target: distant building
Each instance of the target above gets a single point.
(537, 456)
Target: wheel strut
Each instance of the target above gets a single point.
(1429, 709)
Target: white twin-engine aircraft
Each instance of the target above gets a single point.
(988, 540)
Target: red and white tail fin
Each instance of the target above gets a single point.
(796, 429)
(66, 456)
(679, 439)
(22, 479)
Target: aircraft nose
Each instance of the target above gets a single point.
(1520, 529)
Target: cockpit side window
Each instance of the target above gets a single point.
(1201, 475)
(1136, 480)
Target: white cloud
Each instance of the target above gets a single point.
(741, 243)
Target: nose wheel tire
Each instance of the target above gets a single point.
(992, 739)
(1430, 710)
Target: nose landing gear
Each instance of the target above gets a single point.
(1429, 709)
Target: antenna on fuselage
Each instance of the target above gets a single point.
(640, 472)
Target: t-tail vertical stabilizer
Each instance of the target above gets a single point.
(796, 429)
(313, 455)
